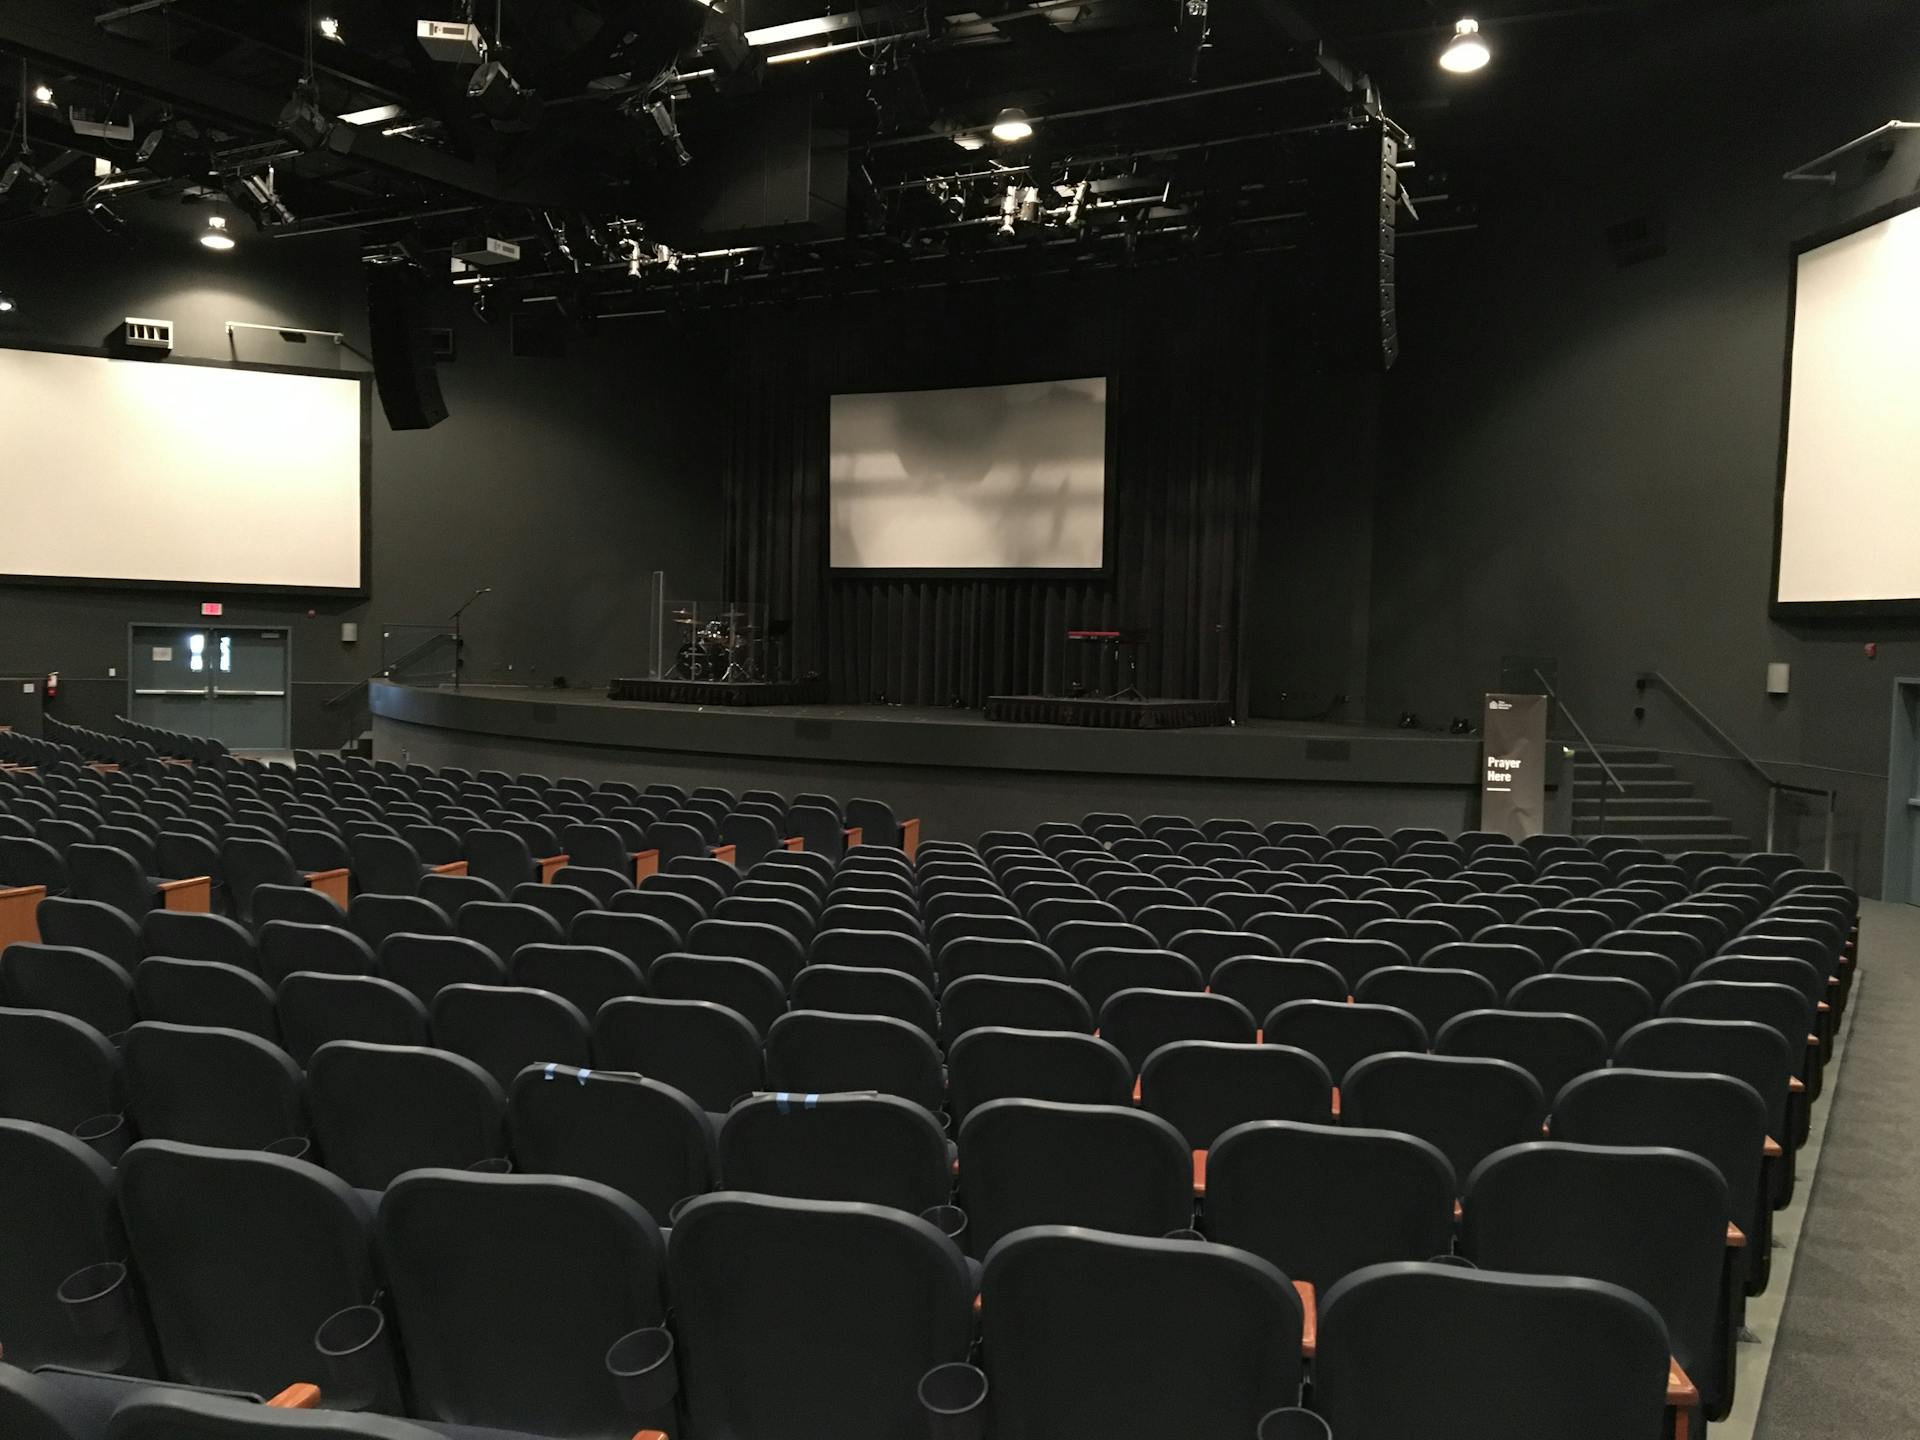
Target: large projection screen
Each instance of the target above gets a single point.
(992, 479)
(1848, 537)
(166, 473)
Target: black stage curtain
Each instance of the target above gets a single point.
(1186, 349)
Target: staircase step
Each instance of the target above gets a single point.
(1627, 771)
(1584, 789)
(1645, 805)
(1629, 823)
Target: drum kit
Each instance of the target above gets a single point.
(726, 647)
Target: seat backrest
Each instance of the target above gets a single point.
(1613, 1004)
(56, 1070)
(1354, 959)
(251, 863)
(242, 1256)
(857, 990)
(505, 1028)
(500, 857)
(374, 917)
(56, 1216)
(1467, 1106)
(1431, 1350)
(510, 1289)
(381, 1110)
(642, 939)
(212, 1087)
(1067, 1317)
(1323, 1201)
(205, 992)
(1651, 1220)
(503, 927)
(1204, 1087)
(869, 1299)
(998, 1063)
(198, 935)
(1744, 1049)
(1101, 973)
(744, 986)
(1140, 1021)
(812, 1050)
(1037, 1162)
(1017, 1004)
(1340, 1036)
(316, 1008)
(1552, 1048)
(586, 975)
(69, 980)
(705, 1050)
(1655, 971)
(753, 940)
(289, 945)
(453, 893)
(1431, 994)
(111, 876)
(164, 1414)
(90, 925)
(31, 1407)
(877, 1149)
(562, 1121)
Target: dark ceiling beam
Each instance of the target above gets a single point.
(55, 32)
(1300, 28)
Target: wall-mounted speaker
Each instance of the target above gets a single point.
(1354, 200)
(403, 364)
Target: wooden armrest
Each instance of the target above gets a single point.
(194, 893)
(910, 837)
(1136, 1089)
(1770, 1149)
(649, 1435)
(1336, 1102)
(1736, 1237)
(1813, 1042)
(726, 853)
(645, 863)
(1458, 1213)
(330, 883)
(853, 835)
(297, 1397)
(1309, 1319)
(452, 867)
(1200, 1174)
(1795, 1085)
(19, 914)
(1824, 1008)
(1682, 1396)
(547, 864)
(793, 844)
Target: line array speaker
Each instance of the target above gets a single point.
(403, 358)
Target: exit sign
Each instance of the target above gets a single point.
(212, 607)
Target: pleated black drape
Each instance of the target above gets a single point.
(1186, 351)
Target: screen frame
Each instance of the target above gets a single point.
(1906, 608)
(1109, 509)
(362, 378)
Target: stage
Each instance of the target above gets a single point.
(958, 771)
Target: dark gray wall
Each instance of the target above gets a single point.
(1582, 457)
(562, 484)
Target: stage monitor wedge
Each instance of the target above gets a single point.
(173, 473)
(1847, 533)
(990, 480)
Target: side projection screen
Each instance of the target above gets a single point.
(1848, 542)
(997, 478)
(163, 473)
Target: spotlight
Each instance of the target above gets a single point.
(43, 94)
(216, 237)
(1466, 51)
(969, 139)
(330, 29)
(6, 303)
(1011, 125)
(1409, 720)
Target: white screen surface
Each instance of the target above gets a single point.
(1850, 486)
(1000, 477)
(153, 471)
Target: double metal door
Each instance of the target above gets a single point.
(231, 684)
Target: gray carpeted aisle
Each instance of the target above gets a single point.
(1846, 1363)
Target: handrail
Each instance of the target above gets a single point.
(335, 700)
(1585, 739)
(1727, 742)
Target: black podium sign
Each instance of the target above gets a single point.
(1513, 777)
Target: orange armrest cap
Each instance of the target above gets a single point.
(297, 1397)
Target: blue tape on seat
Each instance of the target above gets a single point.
(550, 1070)
(582, 1075)
(780, 1099)
(812, 1100)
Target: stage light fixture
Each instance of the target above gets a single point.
(330, 29)
(1012, 125)
(969, 139)
(6, 303)
(43, 94)
(216, 236)
(1466, 51)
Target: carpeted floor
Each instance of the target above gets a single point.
(1846, 1360)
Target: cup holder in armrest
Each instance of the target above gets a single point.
(293, 1147)
(96, 1301)
(109, 1136)
(356, 1366)
(954, 1397)
(643, 1366)
(492, 1165)
(949, 1220)
(1185, 1232)
(1292, 1423)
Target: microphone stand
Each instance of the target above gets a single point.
(459, 645)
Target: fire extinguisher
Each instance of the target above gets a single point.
(53, 685)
